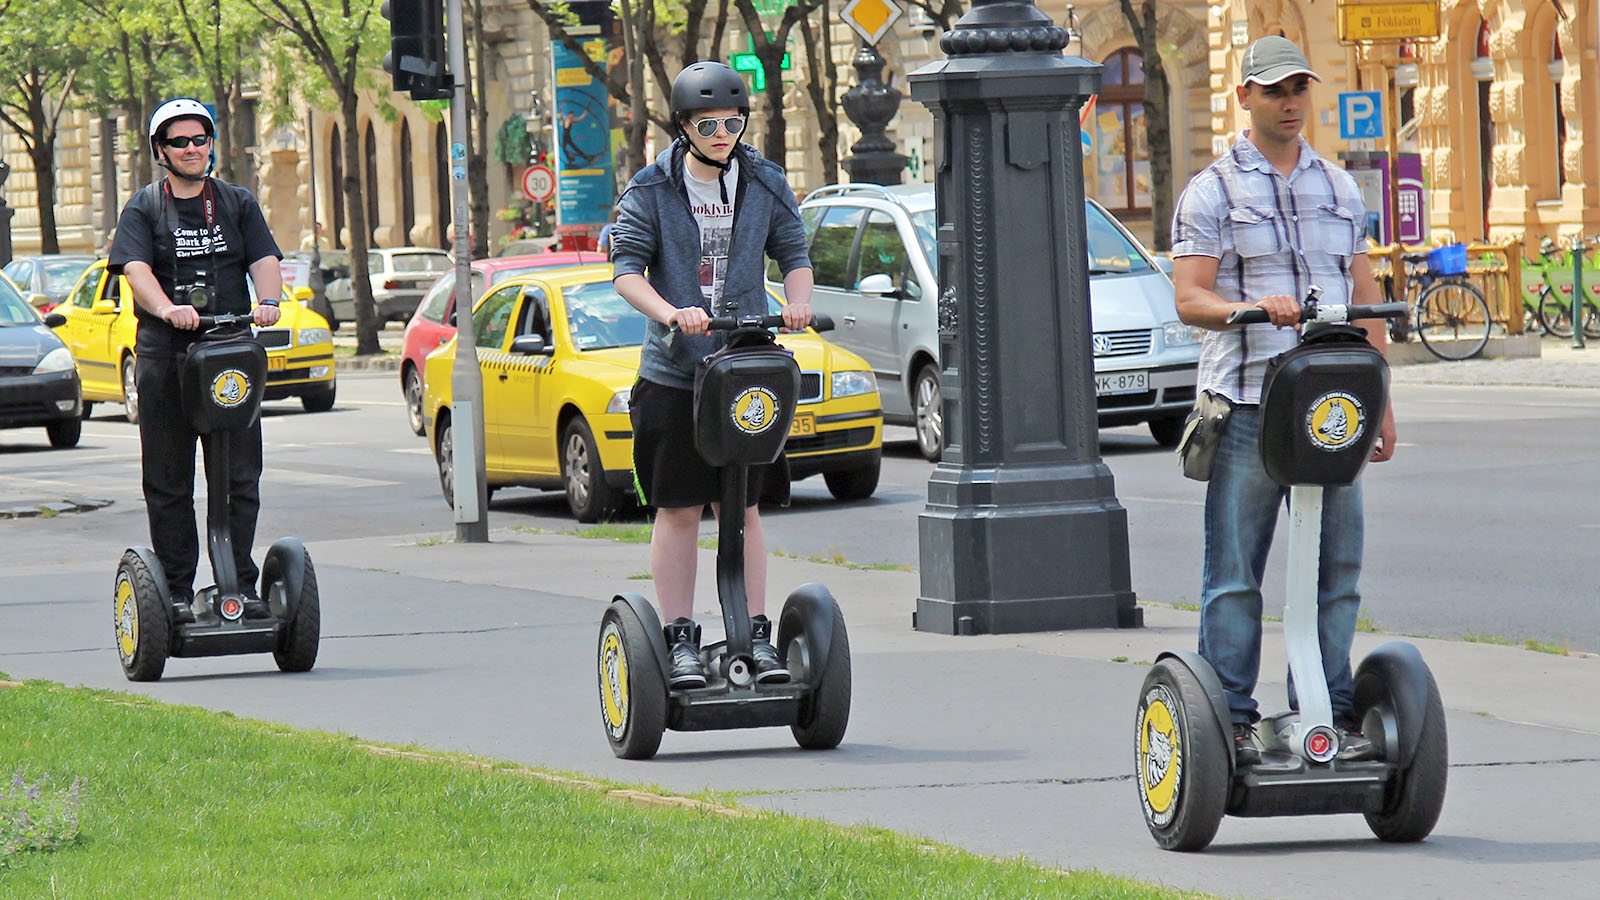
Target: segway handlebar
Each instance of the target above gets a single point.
(225, 320)
(1311, 311)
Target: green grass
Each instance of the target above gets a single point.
(838, 559)
(642, 576)
(1367, 623)
(430, 541)
(611, 531)
(180, 802)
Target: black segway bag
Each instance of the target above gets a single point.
(1321, 405)
(744, 401)
(223, 382)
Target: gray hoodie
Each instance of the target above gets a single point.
(656, 236)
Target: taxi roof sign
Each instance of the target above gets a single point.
(870, 18)
(1388, 20)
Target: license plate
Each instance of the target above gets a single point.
(277, 363)
(804, 423)
(1121, 383)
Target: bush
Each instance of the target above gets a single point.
(34, 818)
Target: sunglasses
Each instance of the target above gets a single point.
(708, 127)
(178, 143)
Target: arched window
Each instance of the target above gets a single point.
(1483, 72)
(441, 184)
(1557, 69)
(336, 194)
(1121, 150)
(408, 203)
(370, 163)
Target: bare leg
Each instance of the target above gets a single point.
(755, 562)
(672, 559)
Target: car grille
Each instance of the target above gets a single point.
(829, 440)
(1121, 401)
(1122, 343)
(273, 338)
(810, 387)
(15, 371)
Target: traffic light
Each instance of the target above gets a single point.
(416, 56)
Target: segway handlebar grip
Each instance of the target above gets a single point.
(1392, 310)
(729, 323)
(224, 320)
(1248, 316)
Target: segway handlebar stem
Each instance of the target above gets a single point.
(1312, 311)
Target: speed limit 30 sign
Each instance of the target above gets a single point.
(538, 183)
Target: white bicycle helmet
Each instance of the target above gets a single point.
(173, 110)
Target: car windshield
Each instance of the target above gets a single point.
(61, 274)
(420, 262)
(1110, 251)
(923, 224)
(598, 317)
(13, 309)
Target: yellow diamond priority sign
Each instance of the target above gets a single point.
(870, 18)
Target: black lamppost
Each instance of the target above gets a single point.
(870, 105)
(1022, 530)
(6, 213)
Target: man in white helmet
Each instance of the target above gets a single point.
(186, 243)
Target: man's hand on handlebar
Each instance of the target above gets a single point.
(265, 315)
(1282, 309)
(185, 318)
(689, 320)
(796, 316)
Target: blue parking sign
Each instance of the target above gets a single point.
(1360, 115)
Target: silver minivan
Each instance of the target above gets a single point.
(873, 251)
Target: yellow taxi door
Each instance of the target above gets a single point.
(491, 323)
(90, 323)
(529, 432)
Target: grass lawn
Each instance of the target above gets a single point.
(187, 803)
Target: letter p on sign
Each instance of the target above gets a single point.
(1360, 115)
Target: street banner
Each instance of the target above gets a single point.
(585, 186)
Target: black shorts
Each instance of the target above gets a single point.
(667, 469)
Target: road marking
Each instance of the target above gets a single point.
(321, 479)
(1163, 500)
(420, 451)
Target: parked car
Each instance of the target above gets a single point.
(46, 280)
(334, 264)
(433, 323)
(99, 327)
(873, 254)
(559, 352)
(38, 382)
(399, 276)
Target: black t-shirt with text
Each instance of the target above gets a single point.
(173, 236)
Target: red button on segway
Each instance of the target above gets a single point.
(1319, 745)
(231, 608)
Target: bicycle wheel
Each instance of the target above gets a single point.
(1591, 322)
(1556, 316)
(1453, 320)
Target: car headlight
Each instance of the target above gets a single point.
(849, 384)
(619, 401)
(304, 336)
(1178, 334)
(57, 360)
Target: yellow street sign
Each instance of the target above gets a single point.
(1389, 20)
(870, 18)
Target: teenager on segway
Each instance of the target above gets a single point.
(186, 244)
(688, 243)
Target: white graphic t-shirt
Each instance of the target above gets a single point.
(715, 219)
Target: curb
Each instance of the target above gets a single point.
(376, 363)
(27, 509)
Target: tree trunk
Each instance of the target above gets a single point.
(478, 150)
(224, 155)
(356, 214)
(1157, 119)
(638, 116)
(820, 89)
(43, 154)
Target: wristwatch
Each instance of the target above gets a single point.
(269, 303)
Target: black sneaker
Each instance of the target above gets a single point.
(254, 606)
(1353, 745)
(182, 609)
(1245, 751)
(683, 642)
(769, 669)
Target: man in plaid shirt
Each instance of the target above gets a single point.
(1263, 224)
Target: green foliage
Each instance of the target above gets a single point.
(511, 144)
(33, 817)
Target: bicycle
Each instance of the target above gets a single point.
(1445, 309)
(1542, 311)
(1556, 295)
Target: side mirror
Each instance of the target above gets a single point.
(302, 294)
(55, 320)
(1164, 263)
(879, 285)
(529, 345)
(104, 306)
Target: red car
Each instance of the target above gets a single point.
(434, 321)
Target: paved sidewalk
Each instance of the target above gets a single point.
(1557, 365)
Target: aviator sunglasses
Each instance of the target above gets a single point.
(178, 143)
(708, 127)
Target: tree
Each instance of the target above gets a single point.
(770, 51)
(823, 89)
(944, 13)
(221, 39)
(38, 67)
(148, 64)
(1157, 118)
(344, 42)
(478, 116)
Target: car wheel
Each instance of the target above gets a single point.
(1167, 431)
(413, 391)
(854, 484)
(130, 389)
(88, 409)
(928, 404)
(444, 454)
(65, 433)
(588, 495)
(319, 401)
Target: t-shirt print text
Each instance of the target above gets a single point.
(189, 242)
(713, 210)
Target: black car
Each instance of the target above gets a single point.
(46, 280)
(38, 379)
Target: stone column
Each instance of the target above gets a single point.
(1022, 530)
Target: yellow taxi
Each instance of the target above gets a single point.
(559, 351)
(100, 331)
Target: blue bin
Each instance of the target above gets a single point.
(1449, 260)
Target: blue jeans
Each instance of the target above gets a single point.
(1241, 510)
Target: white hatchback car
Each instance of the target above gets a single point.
(873, 254)
(399, 275)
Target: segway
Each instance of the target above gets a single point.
(744, 402)
(1321, 406)
(223, 379)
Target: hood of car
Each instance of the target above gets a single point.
(1131, 302)
(25, 345)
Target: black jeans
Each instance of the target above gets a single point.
(167, 444)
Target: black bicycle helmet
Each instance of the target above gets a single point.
(708, 85)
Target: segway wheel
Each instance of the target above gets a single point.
(302, 607)
(143, 624)
(633, 689)
(825, 717)
(1412, 807)
(1180, 762)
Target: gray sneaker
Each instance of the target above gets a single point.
(1245, 750)
(1353, 745)
(769, 669)
(683, 643)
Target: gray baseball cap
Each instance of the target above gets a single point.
(1271, 59)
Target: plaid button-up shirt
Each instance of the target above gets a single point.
(1270, 235)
